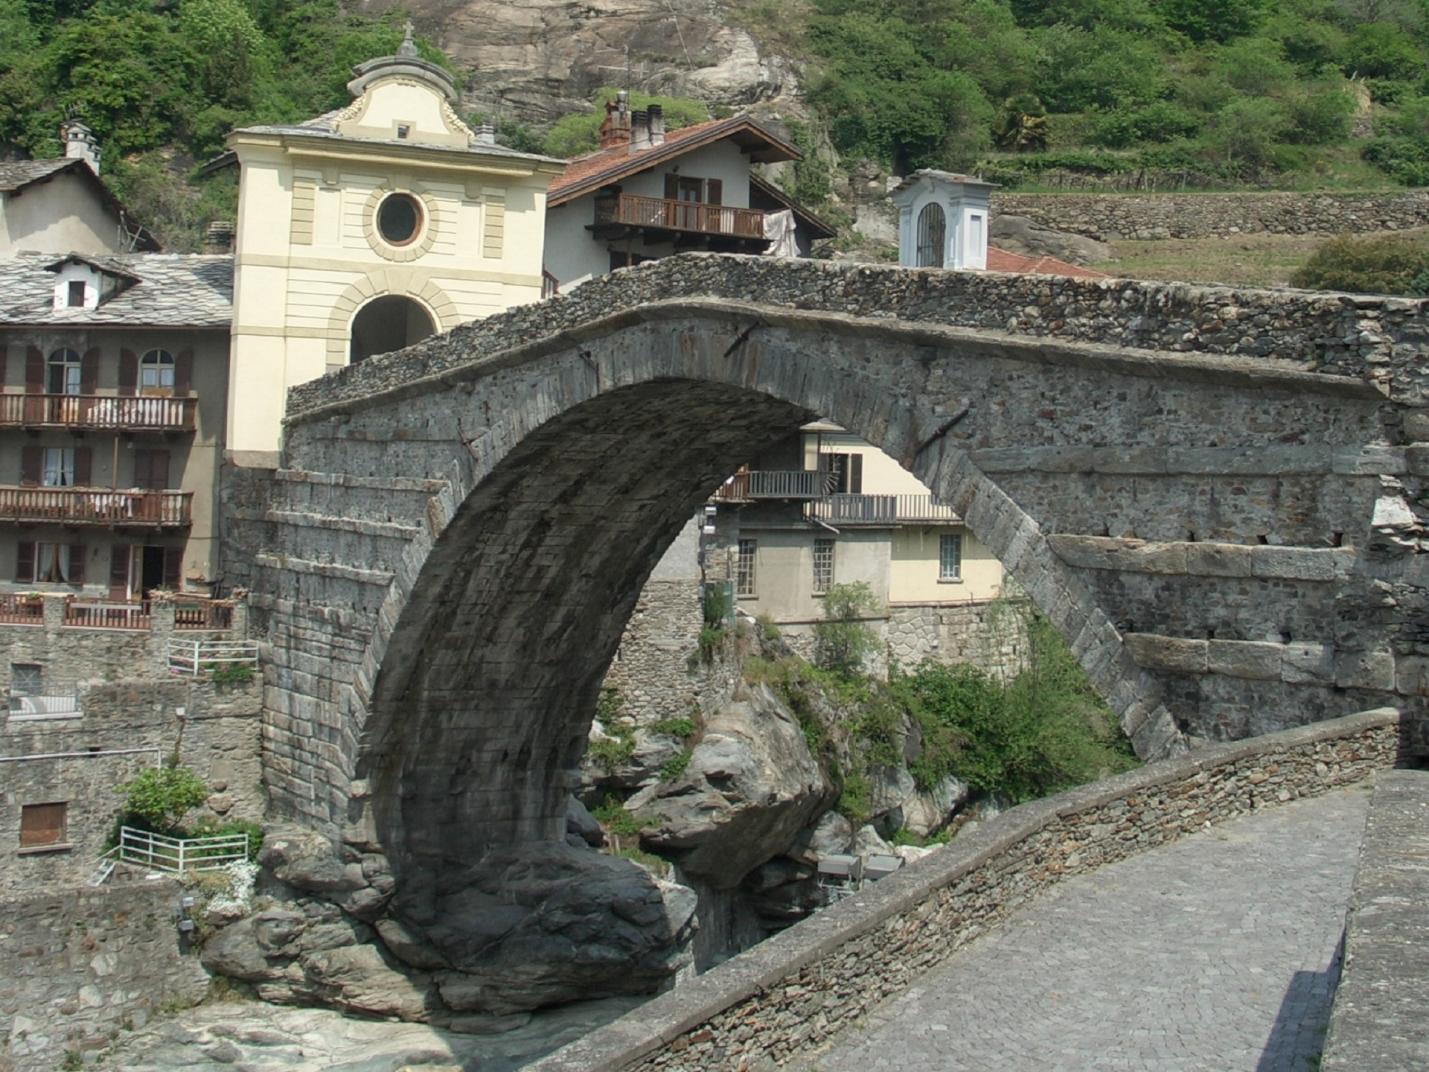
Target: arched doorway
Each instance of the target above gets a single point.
(932, 236)
(386, 324)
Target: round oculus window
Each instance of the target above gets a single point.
(399, 218)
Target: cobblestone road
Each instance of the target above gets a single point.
(1215, 954)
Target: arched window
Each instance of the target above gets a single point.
(386, 324)
(63, 373)
(156, 373)
(932, 236)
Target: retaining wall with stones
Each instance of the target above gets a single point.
(765, 1007)
(1160, 216)
(81, 965)
(990, 635)
(1380, 1018)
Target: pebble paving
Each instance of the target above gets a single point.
(1217, 953)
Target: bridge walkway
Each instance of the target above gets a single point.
(1217, 952)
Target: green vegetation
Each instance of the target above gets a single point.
(841, 641)
(230, 674)
(676, 765)
(160, 797)
(579, 133)
(683, 728)
(1369, 265)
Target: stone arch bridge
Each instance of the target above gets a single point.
(1216, 495)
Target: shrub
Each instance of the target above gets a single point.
(160, 796)
(1367, 265)
(1381, 50)
(675, 765)
(842, 641)
(579, 133)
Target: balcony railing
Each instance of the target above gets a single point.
(97, 506)
(18, 609)
(671, 215)
(774, 484)
(108, 613)
(878, 510)
(128, 414)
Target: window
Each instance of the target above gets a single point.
(156, 373)
(744, 578)
(823, 565)
(403, 130)
(399, 218)
(42, 825)
(845, 472)
(58, 471)
(950, 557)
(151, 469)
(932, 236)
(63, 373)
(975, 238)
(49, 563)
(26, 679)
(75, 295)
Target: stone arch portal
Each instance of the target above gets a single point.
(467, 648)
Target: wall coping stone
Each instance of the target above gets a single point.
(667, 1017)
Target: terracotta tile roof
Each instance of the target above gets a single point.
(1000, 260)
(171, 290)
(594, 170)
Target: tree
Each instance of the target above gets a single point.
(842, 641)
(160, 796)
(1022, 126)
(1212, 20)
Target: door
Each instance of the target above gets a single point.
(120, 557)
(151, 571)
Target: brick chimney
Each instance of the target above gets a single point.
(80, 143)
(657, 124)
(639, 130)
(615, 129)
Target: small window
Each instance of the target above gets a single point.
(403, 130)
(76, 294)
(49, 563)
(823, 565)
(156, 373)
(399, 219)
(63, 372)
(26, 679)
(42, 824)
(950, 557)
(744, 577)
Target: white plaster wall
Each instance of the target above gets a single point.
(913, 570)
(785, 564)
(63, 215)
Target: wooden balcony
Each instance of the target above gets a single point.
(140, 413)
(614, 214)
(97, 506)
(879, 510)
(752, 485)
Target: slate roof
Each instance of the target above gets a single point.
(176, 290)
(15, 174)
(325, 126)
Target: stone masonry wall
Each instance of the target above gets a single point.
(82, 964)
(770, 1004)
(1111, 216)
(651, 671)
(990, 635)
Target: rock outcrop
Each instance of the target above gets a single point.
(1018, 234)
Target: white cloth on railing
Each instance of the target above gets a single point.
(779, 228)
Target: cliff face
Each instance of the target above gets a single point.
(536, 60)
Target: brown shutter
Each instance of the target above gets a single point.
(119, 555)
(672, 188)
(41, 824)
(128, 372)
(32, 461)
(714, 191)
(89, 372)
(855, 474)
(4, 361)
(184, 373)
(83, 466)
(76, 563)
(25, 562)
(151, 469)
(173, 567)
(34, 371)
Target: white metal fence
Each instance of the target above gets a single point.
(161, 853)
(194, 657)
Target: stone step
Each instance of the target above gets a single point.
(355, 542)
(394, 500)
(329, 584)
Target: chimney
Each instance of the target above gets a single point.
(657, 124)
(639, 131)
(218, 238)
(615, 129)
(486, 134)
(80, 143)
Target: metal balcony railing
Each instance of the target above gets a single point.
(774, 484)
(878, 510)
(671, 215)
(98, 412)
(97, 506)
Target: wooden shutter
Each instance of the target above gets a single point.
(151, 469)
(672, 188)
(76, 563)
(128, 372)
(25, 562)
(83, 466)
(89, 372)
(34, 371)
(855, 474)
(4, 356)
(119, 555)
(183, 373)
(173, 567)
(32, 461)
(42, 824)
(714, 191)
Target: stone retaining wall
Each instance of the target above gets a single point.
(81, 965)
(1380, 1019)
(767, 1006)
(1160, 216)
(990, 635)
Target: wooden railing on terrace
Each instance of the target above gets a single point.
(16, 609)
(97, 506)
(878, 509)
(671, 215)
(108, 614)
(130, 414)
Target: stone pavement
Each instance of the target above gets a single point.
(1214, 954)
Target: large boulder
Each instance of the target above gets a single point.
(929, 811)
(1018, 234)
(751, 785)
